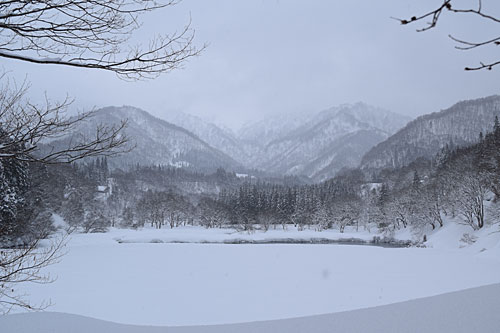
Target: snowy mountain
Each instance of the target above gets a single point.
(329, 141)
(262, 132)
(218, 137)
(428, 134)
(157, 142)
(317, 145)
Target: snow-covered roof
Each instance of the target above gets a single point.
(102, 188)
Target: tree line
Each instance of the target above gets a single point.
(456, 183)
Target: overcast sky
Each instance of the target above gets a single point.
(277, 56)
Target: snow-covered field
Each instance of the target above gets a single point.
(471, 310)
(150, 283)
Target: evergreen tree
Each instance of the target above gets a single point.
(416, 182)
(13, 189)
(496, 128)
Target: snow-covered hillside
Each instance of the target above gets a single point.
(218, 137)
(156, 141)
(428, 134)
(317, 144)
(262, 132)
(332, 139)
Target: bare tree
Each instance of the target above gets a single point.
(84, 34)
(469, 187)
(470, 196)
(432, 205)
(25, 264)
(24, 126)
(448, 6)
(346, 211)
(91, 34)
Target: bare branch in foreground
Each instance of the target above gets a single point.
(447, 6)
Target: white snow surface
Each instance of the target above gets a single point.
(149, 283)
(471, 310)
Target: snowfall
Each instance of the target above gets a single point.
(191, 279)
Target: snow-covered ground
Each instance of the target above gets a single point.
(471, 310)
(150, 283)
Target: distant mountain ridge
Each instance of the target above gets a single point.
(216, 136)
(262, 132)
(427, 135)
(333, 139)
(316, 145)
(157, 142)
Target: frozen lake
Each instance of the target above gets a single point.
(193, 284)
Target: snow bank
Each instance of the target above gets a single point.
(472, 310)
(453, 236)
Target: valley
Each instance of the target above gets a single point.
(249, 166)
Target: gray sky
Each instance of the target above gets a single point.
(277, 56)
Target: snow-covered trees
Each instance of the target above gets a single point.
(128, 217)
(417, 196)
(212, 213)
(322, 217)
(13, 187)
(159, 208)
(469, 196)
(23, 212)
(95, 218)
(467, 184)
(334, 202)
(346, 211)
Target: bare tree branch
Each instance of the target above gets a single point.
(91, 34)
(447, 5)
(25, 264)
(483, 66)
(24, 127)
